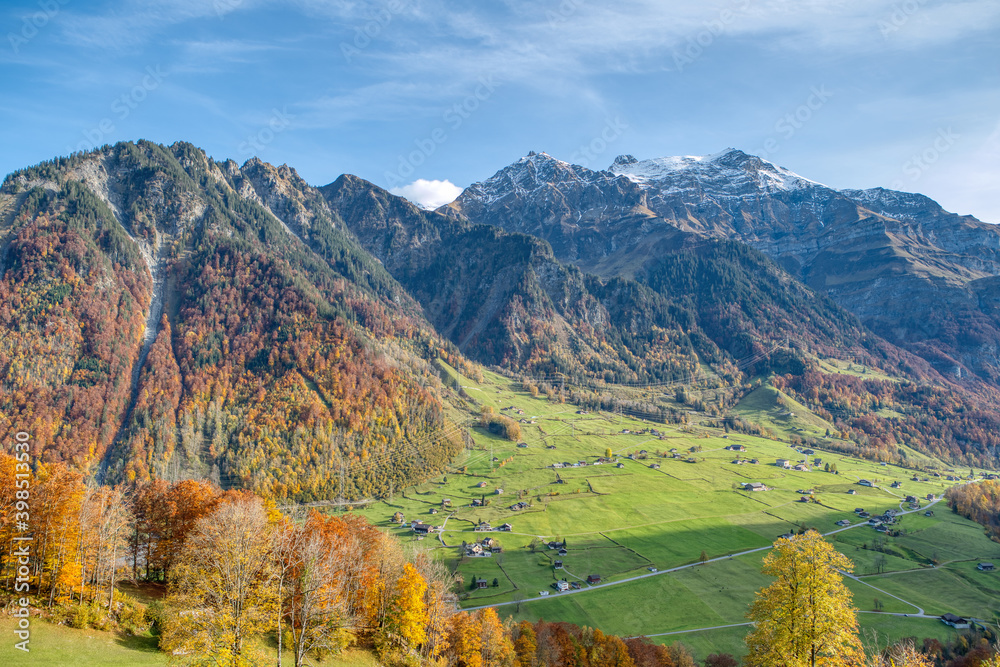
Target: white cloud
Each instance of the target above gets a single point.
(429, 194)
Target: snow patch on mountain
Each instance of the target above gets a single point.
(718, 172)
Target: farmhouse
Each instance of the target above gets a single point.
(852, 492)
(476, 502)
(557, 565)
(736, 448)
(476, 550)
(499, 491)
(801, 467)
(896, 485)
(519, 506)
(446, 502)
(481, 485)
(808, 452)
(555, 545)
(738, 462)
(843, 522)
(754, 486)
(506, 527)
(620, 465)
(859, 510)
(783, 463)
(562, 585)
(434, 510)
(422, 528)
(866, 482)
(985, 567)
(562, 552)
(754, 461)
(655, 466)
(482, 583)
(911, 499)
(483, 527)
(593, 579)
(955, 621)
(398, 517)
(930, 496)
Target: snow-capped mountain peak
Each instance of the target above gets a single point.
(725, 168)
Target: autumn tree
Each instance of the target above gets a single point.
(222, 591)
(313, 586)
(407, 619)
(525, 645)
(805, 618)
(465, 641)
(902, 654)
(497, 649)
(609, 651)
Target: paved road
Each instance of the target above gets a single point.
(920, 610)
(684, 567)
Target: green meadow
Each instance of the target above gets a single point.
(671, 497)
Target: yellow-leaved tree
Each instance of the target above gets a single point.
(806, 617)
(222, 592)
(407, 619)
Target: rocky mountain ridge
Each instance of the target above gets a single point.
(914, 273)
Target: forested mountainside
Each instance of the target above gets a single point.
(160, 319)
(505, 299)
(168, 316)
(918, 276)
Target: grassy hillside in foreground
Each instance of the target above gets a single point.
(619, 522)
(61, 646)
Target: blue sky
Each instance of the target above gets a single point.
(851, 93)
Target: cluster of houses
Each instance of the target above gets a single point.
(418, 527)
(788, 464)
(517, 411)
(640, 431)
(578, 464)
(485, 547)
(879, 523)
(563, 585)
(485, 527)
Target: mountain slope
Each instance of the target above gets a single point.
(161, 320)
(913, 273)
(505, 300)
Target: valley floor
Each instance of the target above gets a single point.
(645, 521)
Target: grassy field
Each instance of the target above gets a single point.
(60, 646)
(621, 518)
